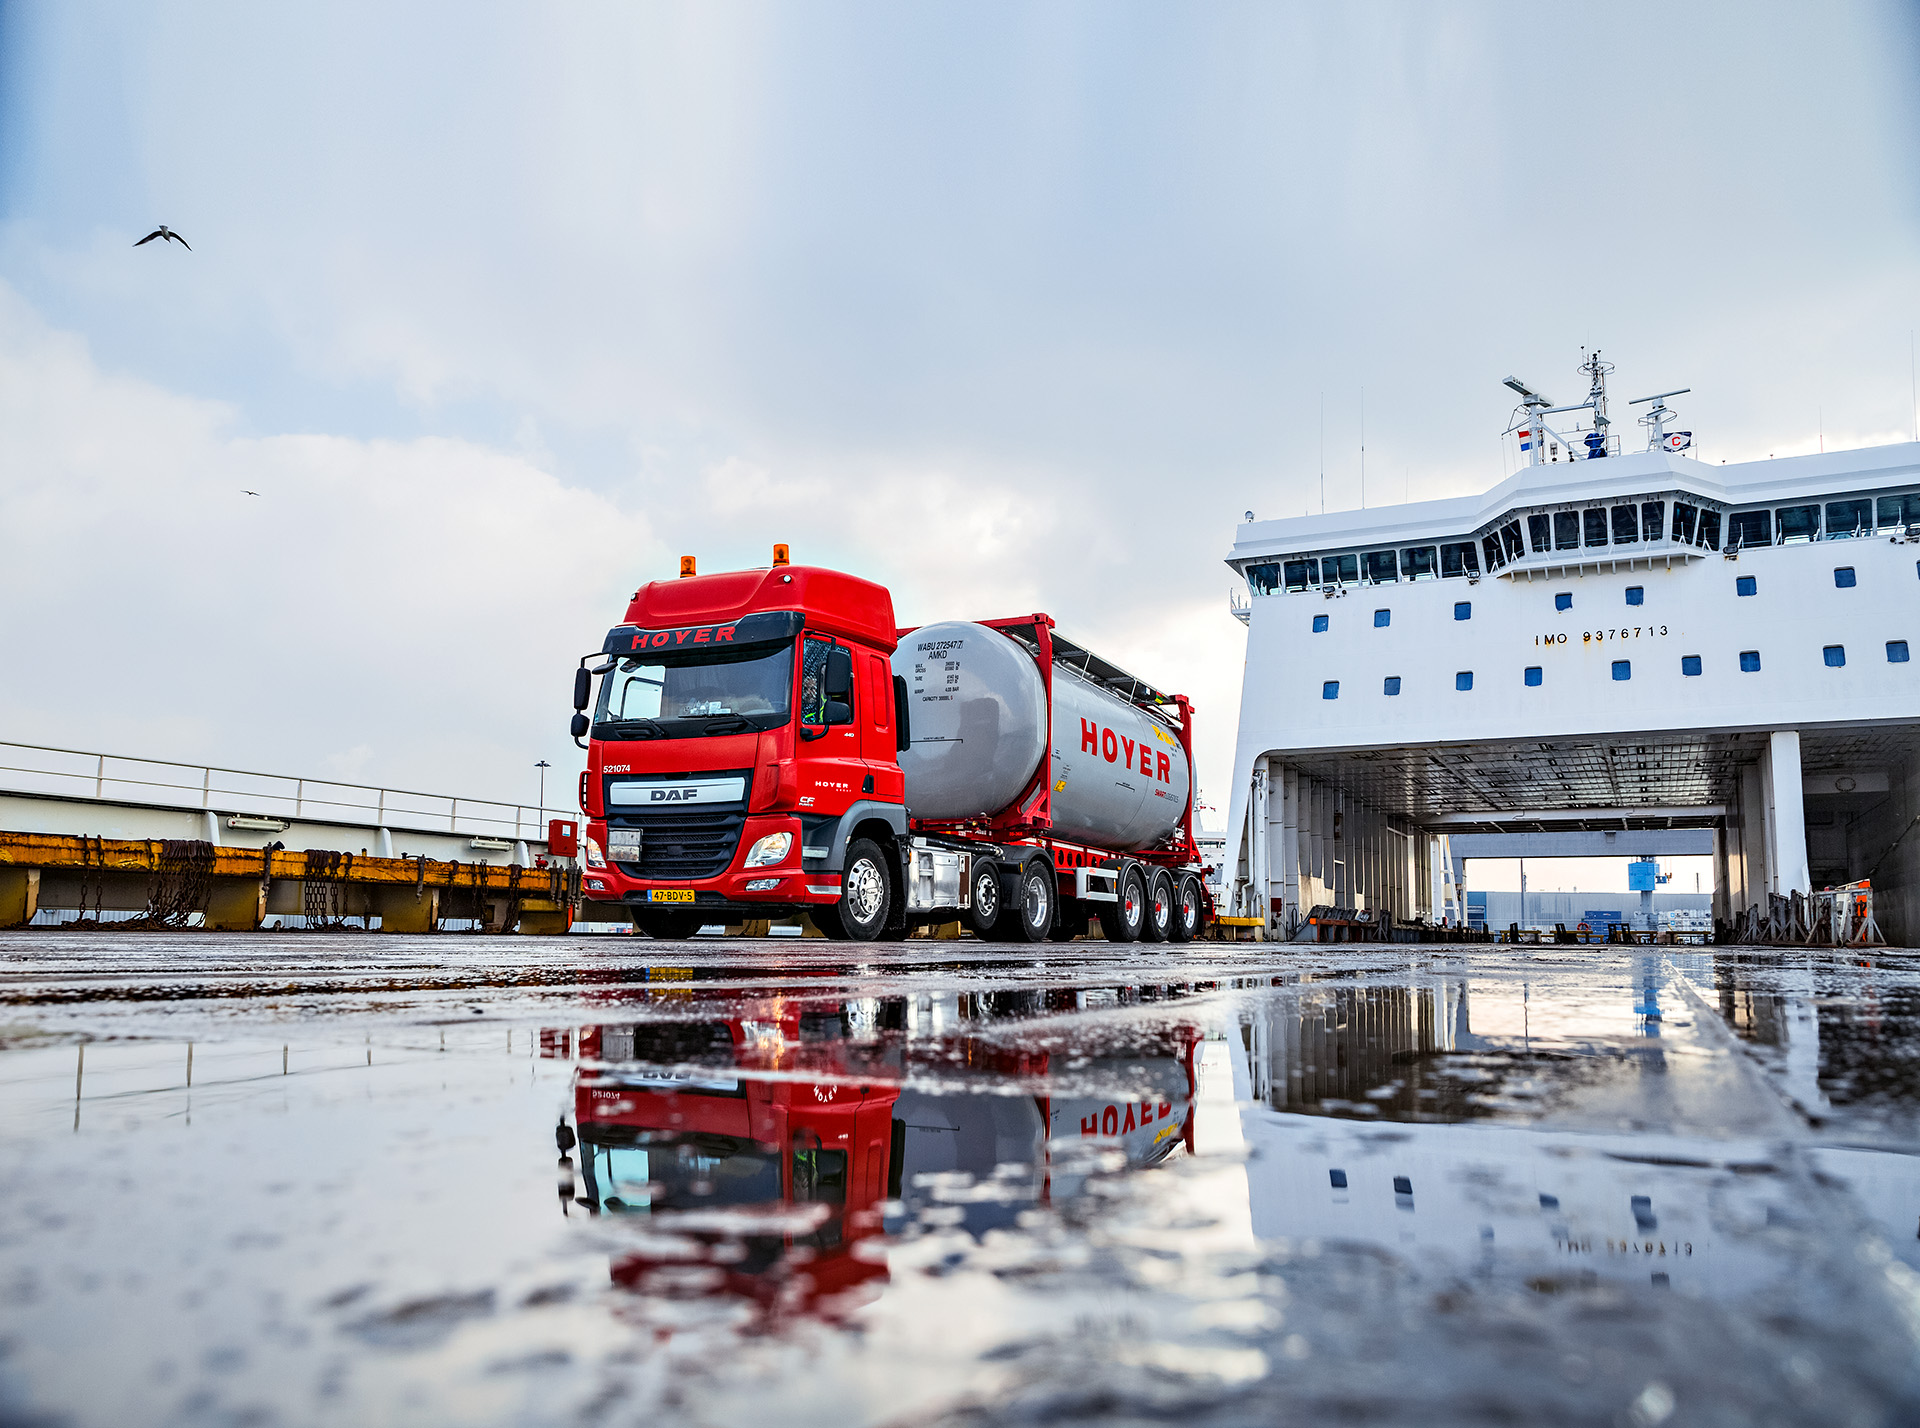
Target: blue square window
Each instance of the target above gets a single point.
(1843, 577)
(1319, 624)
(1563, 601)
(1463, 680)
(1330, 690)
(1689, 664)
(1463, 609)
(1392, 685)
(1834, 655)
(1382, 618)
(1896, 651)
(1533, 676)
(1745, 585)
(1623, 669)
(1636, 594)
(1749, 661)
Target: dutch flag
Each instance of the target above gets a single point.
(1526, 439)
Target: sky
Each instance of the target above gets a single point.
(501, 308)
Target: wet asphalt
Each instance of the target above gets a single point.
(334, 1178)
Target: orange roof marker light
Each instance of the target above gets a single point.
(686, 567)
(779, 554)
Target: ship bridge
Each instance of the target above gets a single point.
(1643, 654)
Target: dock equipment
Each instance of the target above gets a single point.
(177, 883)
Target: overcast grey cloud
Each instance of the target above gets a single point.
(1013, 307)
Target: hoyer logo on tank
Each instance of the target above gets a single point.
(1118, 748)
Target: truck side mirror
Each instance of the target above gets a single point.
(839, 712)
(582, 687)
(839, 675)
(580, 725)
(902, 721)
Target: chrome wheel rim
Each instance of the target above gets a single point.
(986, 896)
(864, 891)
(1036, 901)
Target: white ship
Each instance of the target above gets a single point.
(1605, 643)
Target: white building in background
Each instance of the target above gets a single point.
(1627, 643)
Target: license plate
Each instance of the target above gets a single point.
(670, 895)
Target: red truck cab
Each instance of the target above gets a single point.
(742, 753)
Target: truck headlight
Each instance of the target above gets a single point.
(595, 858)
(770, 850)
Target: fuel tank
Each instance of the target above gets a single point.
(980, 725)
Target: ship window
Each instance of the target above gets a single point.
(1491, 545)
(1834, 656)
(1392, 685)
(1418, 563)
(1745, 528)
(1382, 568)
(1510, 533)
(1798, 523)
(1843, 577)
(1330, 690)
(1595, 525)
(1382, 618)
(1636, 594)
(1749, 661)
(1653, 517)
(1463, 680)
(1463, 609)
(1459, 559)
(1319, 624)
(1563, 601)
(1849, 518)
(1626, 525)
(1622, 669)
(1339, 570)
(1898, 513)
(1540, 534)
(1566, 530)
(1709, 530)
(1685, 518)
(1689, 664)
(1745, 585)
(1302, 574)
(1896, 651)
(1263, 579)
(1533, 676)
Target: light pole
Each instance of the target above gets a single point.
(543, 766)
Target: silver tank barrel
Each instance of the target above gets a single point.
(978, 717)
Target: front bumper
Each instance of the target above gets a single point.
(739, 888)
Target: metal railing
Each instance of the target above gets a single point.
(42, 769)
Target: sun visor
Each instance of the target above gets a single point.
(748, 629)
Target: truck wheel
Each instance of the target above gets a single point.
(984, 914)
(1188, 909)
(1157, 925)
(1122, 920)
(865, 896)
(667, 924)
(1034, 913)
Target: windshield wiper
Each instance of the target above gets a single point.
(728, 724)
(649, 728)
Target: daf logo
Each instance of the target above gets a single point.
(673, 795)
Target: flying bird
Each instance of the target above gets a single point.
(165, 232)
(243, 490)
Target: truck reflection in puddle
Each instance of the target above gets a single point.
(767, 1163)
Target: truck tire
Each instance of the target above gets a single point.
(1189, 908)
(667, 924)
(987, 903)
(1121, 920)
(1157, 925)
(1031, 918)
(866, 896)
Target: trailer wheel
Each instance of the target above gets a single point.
(1188, 910)
(866, 897)
(1121, 921)
(984, 914)
(1035, 909)
(667, 924)
(1157, 925)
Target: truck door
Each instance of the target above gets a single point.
(876, 726)
(833, 771)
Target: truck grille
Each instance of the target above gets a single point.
(691, 844)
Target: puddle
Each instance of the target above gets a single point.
(1071, 1186)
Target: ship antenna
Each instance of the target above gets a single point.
(1597, 399)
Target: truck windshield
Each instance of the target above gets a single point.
(683, 693)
